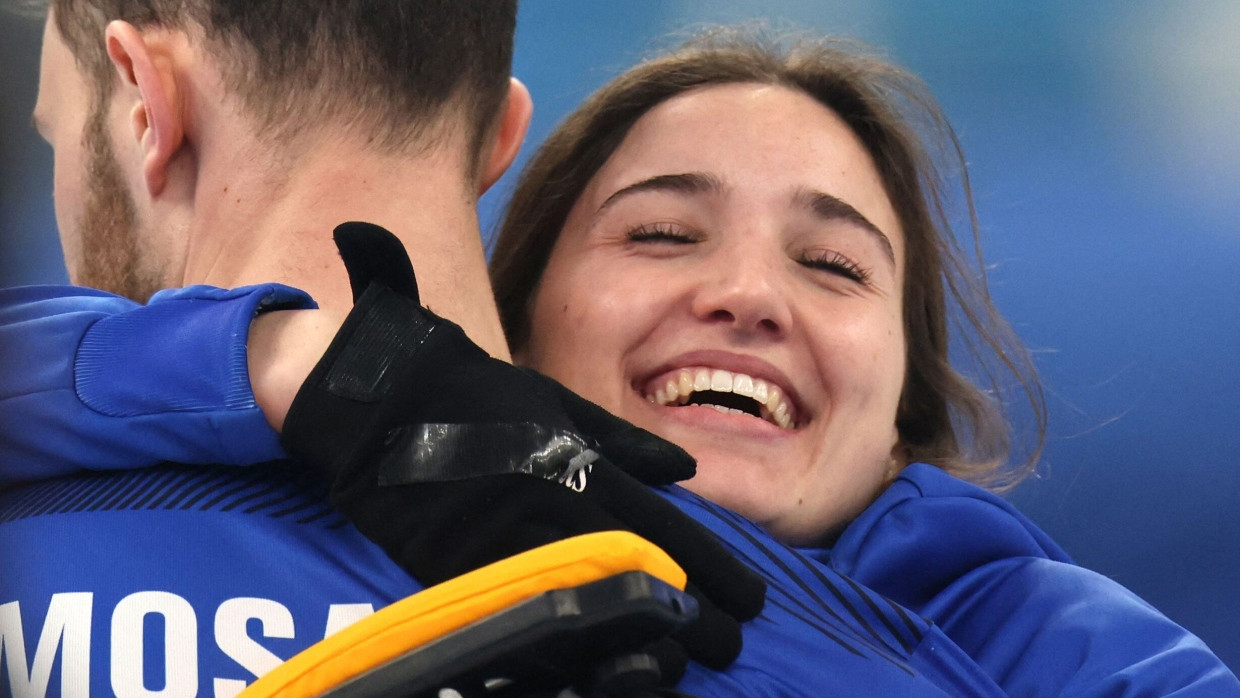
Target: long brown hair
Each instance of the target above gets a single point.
(943, 418)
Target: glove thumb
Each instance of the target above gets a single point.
(372, 254)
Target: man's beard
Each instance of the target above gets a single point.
(111, 259)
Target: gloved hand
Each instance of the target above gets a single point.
(449, 459)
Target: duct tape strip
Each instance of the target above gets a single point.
(441, 452)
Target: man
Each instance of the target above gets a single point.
(214, 145)
(220, 143)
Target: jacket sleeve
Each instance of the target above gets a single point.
(93, 381)
(1003, 591)
(1063, 630)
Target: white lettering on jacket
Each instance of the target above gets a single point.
(67, 628)
(230, 635)
(66, 631)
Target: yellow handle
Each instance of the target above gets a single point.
(447, 607)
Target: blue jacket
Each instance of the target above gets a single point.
(938, 588)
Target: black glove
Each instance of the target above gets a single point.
(450, 460)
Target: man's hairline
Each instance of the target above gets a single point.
(439, 127)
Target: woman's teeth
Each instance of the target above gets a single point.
(707, 387)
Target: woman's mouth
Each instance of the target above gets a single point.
(727, 391)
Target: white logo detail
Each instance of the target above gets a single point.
(578, 468)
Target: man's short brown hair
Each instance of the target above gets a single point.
(386, 68)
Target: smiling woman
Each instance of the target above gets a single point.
(697, 255)
(728, 211)
(745, 248)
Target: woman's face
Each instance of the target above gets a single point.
(731, 280)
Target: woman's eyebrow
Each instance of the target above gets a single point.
(682, 183)
(832, 208)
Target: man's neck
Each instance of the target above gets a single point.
(266, 227)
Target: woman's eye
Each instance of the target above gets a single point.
(836, 263)
(659, 232)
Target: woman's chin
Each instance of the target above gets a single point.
(774, 503)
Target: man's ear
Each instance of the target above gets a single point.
(508, 137)
(155, 119)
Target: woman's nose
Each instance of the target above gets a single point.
(743, 292)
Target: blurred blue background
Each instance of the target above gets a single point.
(1104, 142)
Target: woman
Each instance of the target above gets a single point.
(746, 253)
(727, 218)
